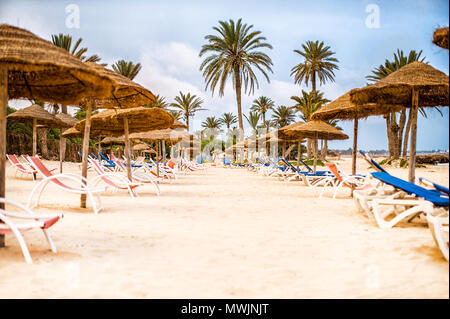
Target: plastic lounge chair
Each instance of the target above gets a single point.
(114, 180)
(418, 200)
(354, 182)
(23, 168)
(439, 227)
(82, 185)
(16, 223)
(371, 162)
(141, 177)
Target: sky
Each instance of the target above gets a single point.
(166, 37)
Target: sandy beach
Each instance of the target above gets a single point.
(226, 233)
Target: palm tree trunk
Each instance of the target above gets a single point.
(394, 136)
(237, 82)
(187, 121)
(308, 148)
(405, 138)
(313, 81)
(264, 120)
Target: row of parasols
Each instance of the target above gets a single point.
(414, 85)
(35, 69)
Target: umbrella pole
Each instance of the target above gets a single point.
(315, 154)
(299, 154)
(34, 136)
(412, 147)
(3, 108)
(164, 151)
(355, 143)
(62, 150)
(87, 131)
(157, 160)
(127, 147)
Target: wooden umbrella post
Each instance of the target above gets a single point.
(3, 108)
(127, 147)
(157, 159)
(34, 137)
(164, 151)
(62, 142)
(299, 154)
(412, 147)
(87, 130)
(355, 144)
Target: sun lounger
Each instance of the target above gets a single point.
(23, 168)
(18, 222)
(141, 177)
(439, 227)
(114, 180)
(81, 185)
(407, 202)
(353, 182)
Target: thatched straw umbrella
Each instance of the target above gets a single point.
(315, 130)
(33, 68)
(416, 85)
(440, 37)
(120, 121)
(168, 135)
(342, 108)
(127, 94)
(36, 114)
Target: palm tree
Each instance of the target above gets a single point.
(306, 105)
(160, 101)
(228, 119)
(188, 104)
(212, 125)
(128, 69)
(253, 119)
(318, 63)
(262, 105)
(397, 133)
(282, 116)
(235, 52)
(64, 41)
(176, 114)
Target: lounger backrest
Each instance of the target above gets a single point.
(97, 166)
(372, 162)
(172, 163)
(42, 169)
(289, 164)
(438, 187)
(334, 169)
(434, 196)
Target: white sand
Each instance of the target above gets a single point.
(229, 233)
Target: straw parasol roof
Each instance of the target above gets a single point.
(315, 130)
(127, 93)
(342, 108)
(37, 69)
(396, 88)
(168, 135)
(28, 114)
(113, 140)
(70, 120)
(139, 119)
(178, 124)
(440, 37)
(71, 132)
(140, 147)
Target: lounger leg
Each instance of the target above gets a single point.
(49, 240)
(23, 245)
